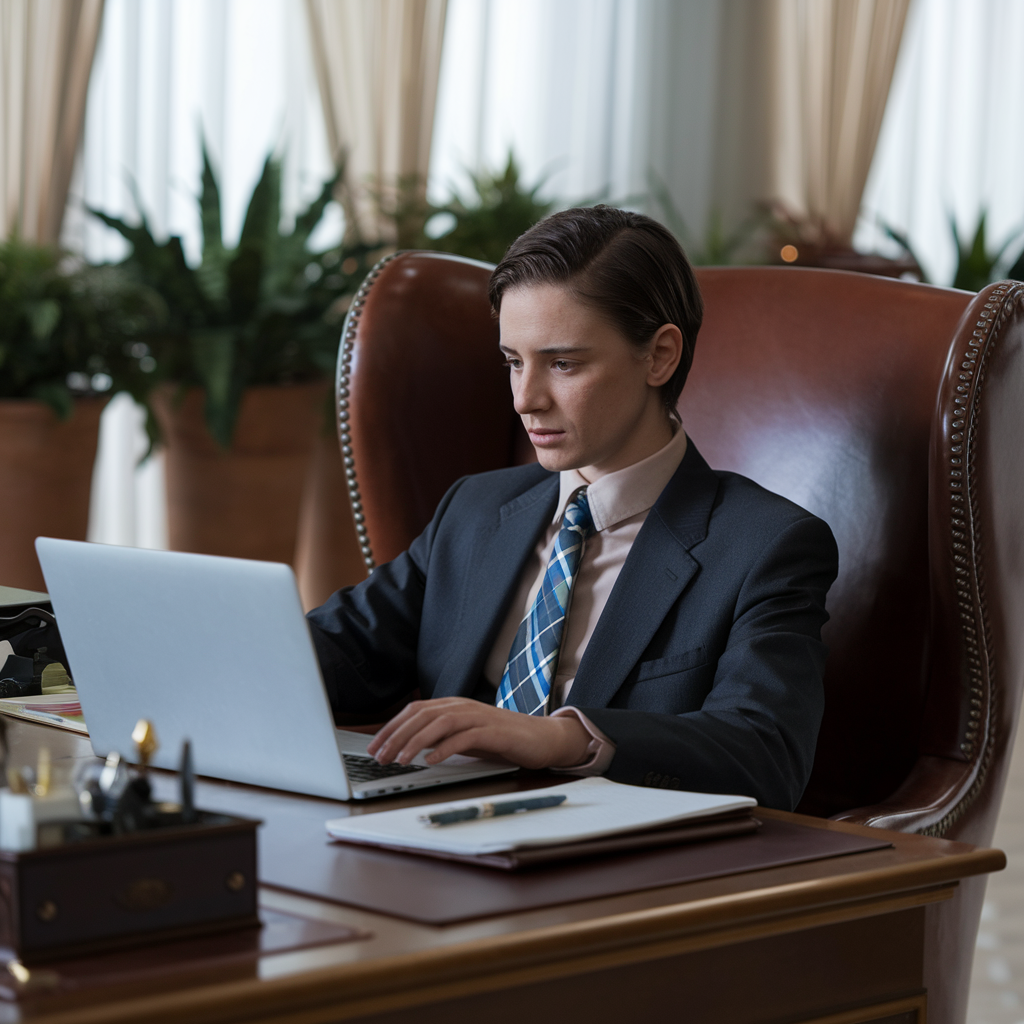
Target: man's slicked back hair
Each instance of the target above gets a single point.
(627, 267)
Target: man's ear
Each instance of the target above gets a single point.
(666, 351)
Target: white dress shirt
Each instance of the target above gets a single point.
(619, 504)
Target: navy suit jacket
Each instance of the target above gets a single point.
(705, 667)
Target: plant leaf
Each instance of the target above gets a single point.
(260, 231)
(209, 207)
(244, 278)
(903, 240)
(978, 254)
(264, 210)
(975, 265)
(43, 317)
(211, 274)
(141, 239)
(306, 221)
(213, 355)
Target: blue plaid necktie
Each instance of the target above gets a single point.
(526, 684)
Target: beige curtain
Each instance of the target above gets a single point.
(46, 52)
(830, 67)
(377, 63)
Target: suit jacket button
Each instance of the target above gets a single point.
(676, 784)
(649, 779)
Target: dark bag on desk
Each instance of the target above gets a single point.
(33, 634)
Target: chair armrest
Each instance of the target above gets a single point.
(932, 798)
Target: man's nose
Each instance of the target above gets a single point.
(528, 392)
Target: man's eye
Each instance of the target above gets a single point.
(514, 363)
(563, 364)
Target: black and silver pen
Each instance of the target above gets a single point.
(489, 810)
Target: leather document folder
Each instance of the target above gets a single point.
(722, 827)
(507, 834)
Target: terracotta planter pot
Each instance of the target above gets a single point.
(45, 478)
(245, 501)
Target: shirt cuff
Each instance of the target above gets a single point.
(600, 750)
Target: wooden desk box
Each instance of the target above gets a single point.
(121, 890)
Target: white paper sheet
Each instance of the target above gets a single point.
(594, 807)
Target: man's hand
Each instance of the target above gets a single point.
(458, 725)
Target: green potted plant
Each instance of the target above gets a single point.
(976, 264)
(484, 225)
(242, 364)
(66, 337)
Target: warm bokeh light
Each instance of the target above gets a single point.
(789, 253)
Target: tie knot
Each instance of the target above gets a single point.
(577, 515)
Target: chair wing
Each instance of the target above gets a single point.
(975, 664)
(422, 394)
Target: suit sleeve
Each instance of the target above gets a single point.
(366, 636)
(756, 732)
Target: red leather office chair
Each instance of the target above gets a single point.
(894, 411)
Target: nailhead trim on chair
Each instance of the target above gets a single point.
(343, 379)
(967, 542)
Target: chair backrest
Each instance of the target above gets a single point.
(843, 392)
(821, 386)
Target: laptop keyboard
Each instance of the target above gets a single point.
(366, 769)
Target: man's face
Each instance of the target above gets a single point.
(579, 385)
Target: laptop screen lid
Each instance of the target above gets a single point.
(212, 649)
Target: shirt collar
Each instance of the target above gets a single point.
(626, 492)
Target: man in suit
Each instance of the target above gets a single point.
(618, 608)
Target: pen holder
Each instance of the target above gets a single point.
(102, 893)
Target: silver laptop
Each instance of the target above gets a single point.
(215, 650)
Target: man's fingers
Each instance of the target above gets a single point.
(381, 736)
(406, 741)
(389, 748)
(388, 740)
(456, 725)
(433, 732)
(468, 741)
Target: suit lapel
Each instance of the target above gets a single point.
(657, 570)
(499, 553)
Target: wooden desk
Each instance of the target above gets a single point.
(838, 941)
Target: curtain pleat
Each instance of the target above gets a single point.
(46, 53)
(377, 65)
(830, 68)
